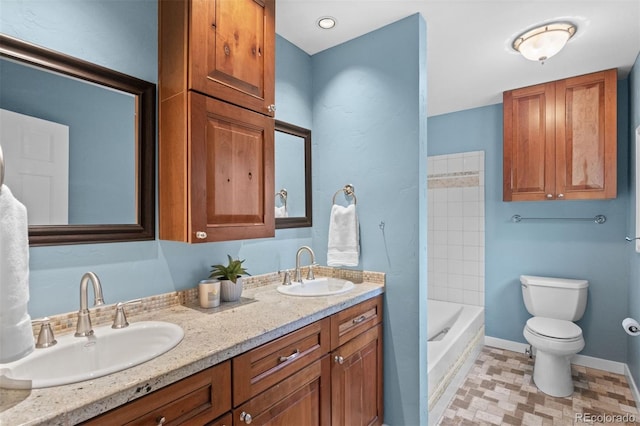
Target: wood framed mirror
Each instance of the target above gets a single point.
(110, 146)
(292, 176)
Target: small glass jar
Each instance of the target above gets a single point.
(209, 293)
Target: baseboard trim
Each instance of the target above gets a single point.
(632, 384)
(582, 360)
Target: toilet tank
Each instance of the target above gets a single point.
(558, 298)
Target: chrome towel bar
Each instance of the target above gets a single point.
(599, 219)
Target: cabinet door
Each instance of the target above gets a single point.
(586, 136)
(231, 178)
(356, 380)
(529, 146)
(232, 51)
(301, 399)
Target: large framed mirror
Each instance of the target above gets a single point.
(79, 146)
(292, 176)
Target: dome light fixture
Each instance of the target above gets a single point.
(326, 22)
(543, 42)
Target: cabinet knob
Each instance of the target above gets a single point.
(560, 195)
(161, 420)
(339, 359)
(201, 235)
(246, 417)
(549, 196)
(271, 108)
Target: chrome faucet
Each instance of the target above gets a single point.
(83, 328)
(298, 277)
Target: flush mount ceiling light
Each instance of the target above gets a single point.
(326, 22)
(543, 42)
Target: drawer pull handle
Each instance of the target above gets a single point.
(161, 420)
(359, 319)
(246, 417)
(338, 359)
(292, 356)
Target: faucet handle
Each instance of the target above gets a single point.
(286, 280)
(46, 338)
(310, 275)
(120, 318)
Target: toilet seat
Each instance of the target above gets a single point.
(554, 329)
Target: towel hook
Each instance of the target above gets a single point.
(283, 197)
(348, 191)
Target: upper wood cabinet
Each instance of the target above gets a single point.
(560, 139)
(221, 48)
(216, 131)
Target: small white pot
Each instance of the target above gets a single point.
(230, 291)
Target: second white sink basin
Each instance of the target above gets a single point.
(75, 359)
(322, 286)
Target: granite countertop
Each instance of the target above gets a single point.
(211, 336)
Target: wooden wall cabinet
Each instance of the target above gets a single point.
(560, 139)
(216, 127)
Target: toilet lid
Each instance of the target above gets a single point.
(554, 328)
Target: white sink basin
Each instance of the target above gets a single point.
(75, 359)
(322, 286)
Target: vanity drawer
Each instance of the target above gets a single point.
(263, 367)
(347, 324)
(194, 400)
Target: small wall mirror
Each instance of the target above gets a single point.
(292, 176)
(78, 143)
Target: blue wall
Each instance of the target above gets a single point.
(369, 122)
(585, 250)
(633, 354)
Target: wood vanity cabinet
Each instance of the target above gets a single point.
(216, 127)
(195, 400)
(294, 380)
(356, 370)
(560, 139)
(326, 373)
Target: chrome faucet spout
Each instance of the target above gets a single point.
(83, 327)
(298, 276)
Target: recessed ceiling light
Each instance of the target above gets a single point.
(541, 43)
(326, 22)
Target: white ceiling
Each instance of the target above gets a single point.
(470, 60)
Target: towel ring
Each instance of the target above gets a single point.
(348, 191)
(283, 196)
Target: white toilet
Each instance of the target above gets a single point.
(555, 303)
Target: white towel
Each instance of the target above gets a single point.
(281, 212)
(344, 238)
(16, 337)
(16, 340)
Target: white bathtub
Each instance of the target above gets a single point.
(455, 332)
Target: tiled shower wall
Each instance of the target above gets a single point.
(456, 227)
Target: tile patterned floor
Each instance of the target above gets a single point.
(499, 390)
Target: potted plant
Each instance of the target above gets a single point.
(230, 277)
